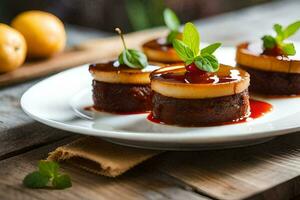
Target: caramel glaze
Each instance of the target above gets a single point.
(159, 44)
(108, 66)
(196, 78)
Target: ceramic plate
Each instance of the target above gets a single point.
(59, 101)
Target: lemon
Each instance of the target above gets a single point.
(12, 48)
(44, 33)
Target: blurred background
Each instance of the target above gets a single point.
(130, 15)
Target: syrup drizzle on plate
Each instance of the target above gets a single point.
(257, 109)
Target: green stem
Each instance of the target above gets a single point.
(122, 37)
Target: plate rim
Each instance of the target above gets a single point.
(146, 136)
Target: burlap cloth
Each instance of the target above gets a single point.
(101, 157)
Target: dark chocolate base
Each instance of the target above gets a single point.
(273, 83)
(121, 98)
(200, 112)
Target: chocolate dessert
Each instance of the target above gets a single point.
(161, 49)
(158, 50)
(123, 85)
(181, 99)
(274, 68)
(200, 92)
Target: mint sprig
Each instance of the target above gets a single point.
(270, 42)
(131, 57)
(173, 23)
(47, 176)
(189, 50)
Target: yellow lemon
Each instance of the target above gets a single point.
(12, 48)
(44, 33)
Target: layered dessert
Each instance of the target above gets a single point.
(273, 65)
(123, 85)
(201, 91)
(189, 98)
(161, 49)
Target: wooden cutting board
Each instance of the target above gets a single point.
(87, 52)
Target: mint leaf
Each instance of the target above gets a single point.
(278, 29)
(203, 64)
(183, 51)
(48, 168)
(189, 50)
(210, 49)
(140, 57)
(213, 61)
(207, 63)
(289, 49)
(36, 180)
(171, 20)
(48, 172)
(172, 36)
(191, 37)
(291, 29)
(133, 58)
(130, 57)
(62, 182)
(269, 42)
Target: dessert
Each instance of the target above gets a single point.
(161, 49)
(273, 66)
(201, 91)
(122, 86)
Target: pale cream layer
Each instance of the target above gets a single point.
(201, 91)
(249, 58)
(124, 75)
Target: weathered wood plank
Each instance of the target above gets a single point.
(141, 183)
(65, 60)
(17, 130)
(267, 171)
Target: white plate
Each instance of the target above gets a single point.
(59, 101)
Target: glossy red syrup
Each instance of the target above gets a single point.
(197, 77)
(257, 109)
(92, 108)
(276, 51)
(193, 75)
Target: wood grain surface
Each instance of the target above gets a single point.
(268, 171)
(59, 62)
(141, 183)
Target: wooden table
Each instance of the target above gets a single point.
(266, 171)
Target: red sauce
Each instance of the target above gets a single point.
(257, 49)
(257, 109)
(276, 51)
(92, 108)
